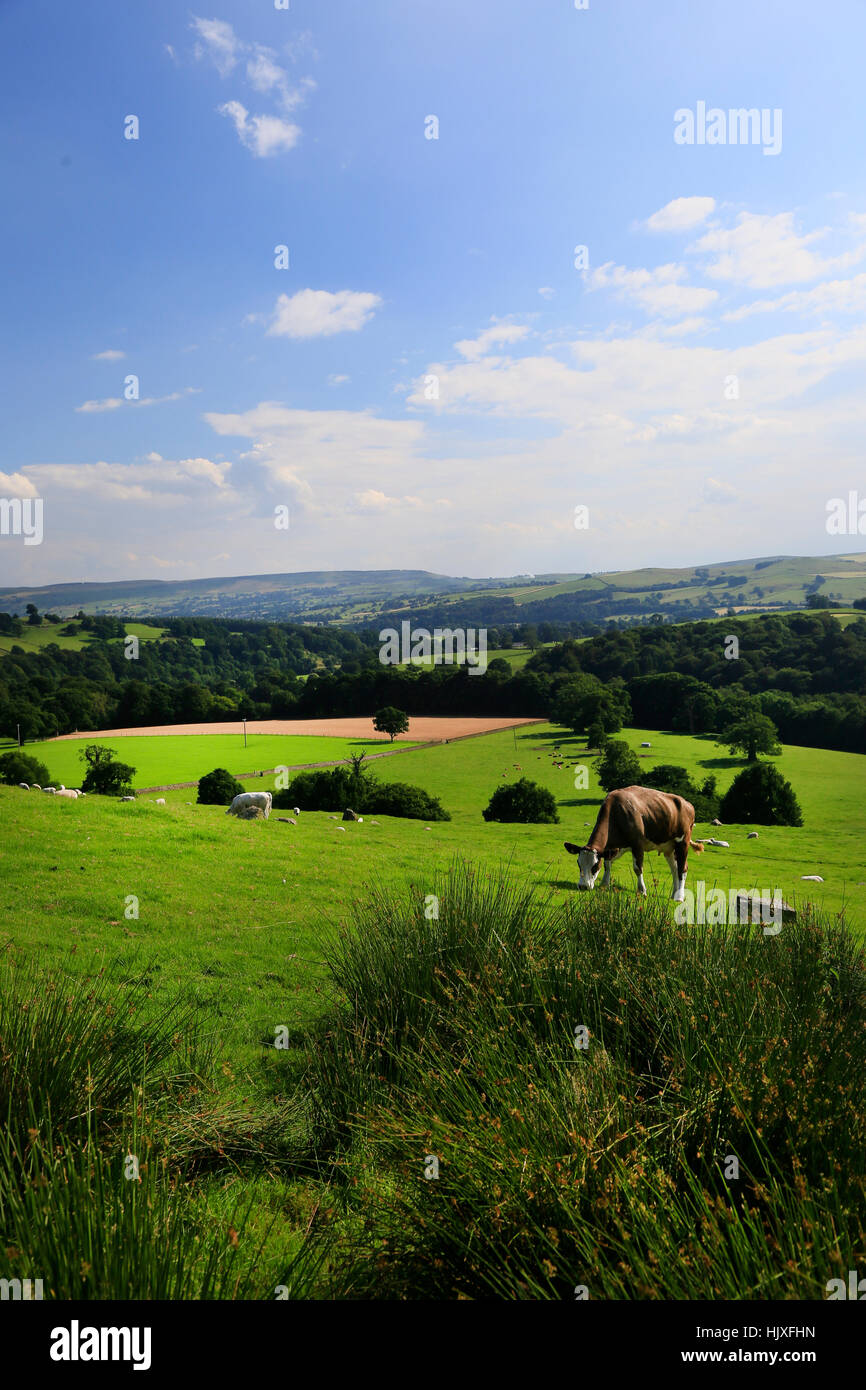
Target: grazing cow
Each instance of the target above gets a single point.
(638, 819)
(244, 799)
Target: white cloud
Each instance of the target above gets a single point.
(98, 407)
(830, 297)
(266, 134)
(337, 379)
(473, 348)
(763, 251)
(114, 402)
(681, 214)
(157, 483)
(659, 291)
(217, 41)
(546, 292)
(263, 135)
(16, 485)
(319, 314)
(110, 355)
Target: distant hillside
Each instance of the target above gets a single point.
(359, 597)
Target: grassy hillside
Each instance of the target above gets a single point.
(231, 921)
(364, 596)
(33, 639)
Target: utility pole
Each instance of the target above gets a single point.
(18, 727)
(245, 730)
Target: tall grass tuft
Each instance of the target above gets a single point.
(707, 1143)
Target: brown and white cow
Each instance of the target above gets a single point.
(638, 819)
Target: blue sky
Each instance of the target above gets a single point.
(432, 382)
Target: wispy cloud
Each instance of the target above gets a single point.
(681, 215)
(110, 355)
(115, 402)
(474, 348)
(269, 133)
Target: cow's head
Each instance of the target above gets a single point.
(589, 862)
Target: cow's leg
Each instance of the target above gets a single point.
(681, 854)
(608, 860)
(677, 864)
(637, 861)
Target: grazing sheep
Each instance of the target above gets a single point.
(24, 786)
(752, 835)
(297, 810)
(160, 801)
(262, 800)
(35, 787)
(127, 798)
(811, 878)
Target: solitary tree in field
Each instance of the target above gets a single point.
(104, 776)
(391, 721)
(752, 733)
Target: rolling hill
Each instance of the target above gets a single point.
(358, 597)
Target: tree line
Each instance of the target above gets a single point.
(801, 671)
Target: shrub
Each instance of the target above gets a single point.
(523, 802)
(18, 767)
(760, 794)
(342, 787)
(401, 799)
(667, 777)
(218, 788)
(618, 766)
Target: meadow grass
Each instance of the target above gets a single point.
(235, 923)
(170, 758)
(581, 1079)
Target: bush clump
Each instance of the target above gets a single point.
(667, 777)
(18, 767)
(218, 788)
(522, 802)
(342, 787)
(760, 795)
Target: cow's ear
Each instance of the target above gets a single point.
(572, 849)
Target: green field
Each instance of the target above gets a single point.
(230, 919)
(34, 639)
(167, 759)
(238, 891)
